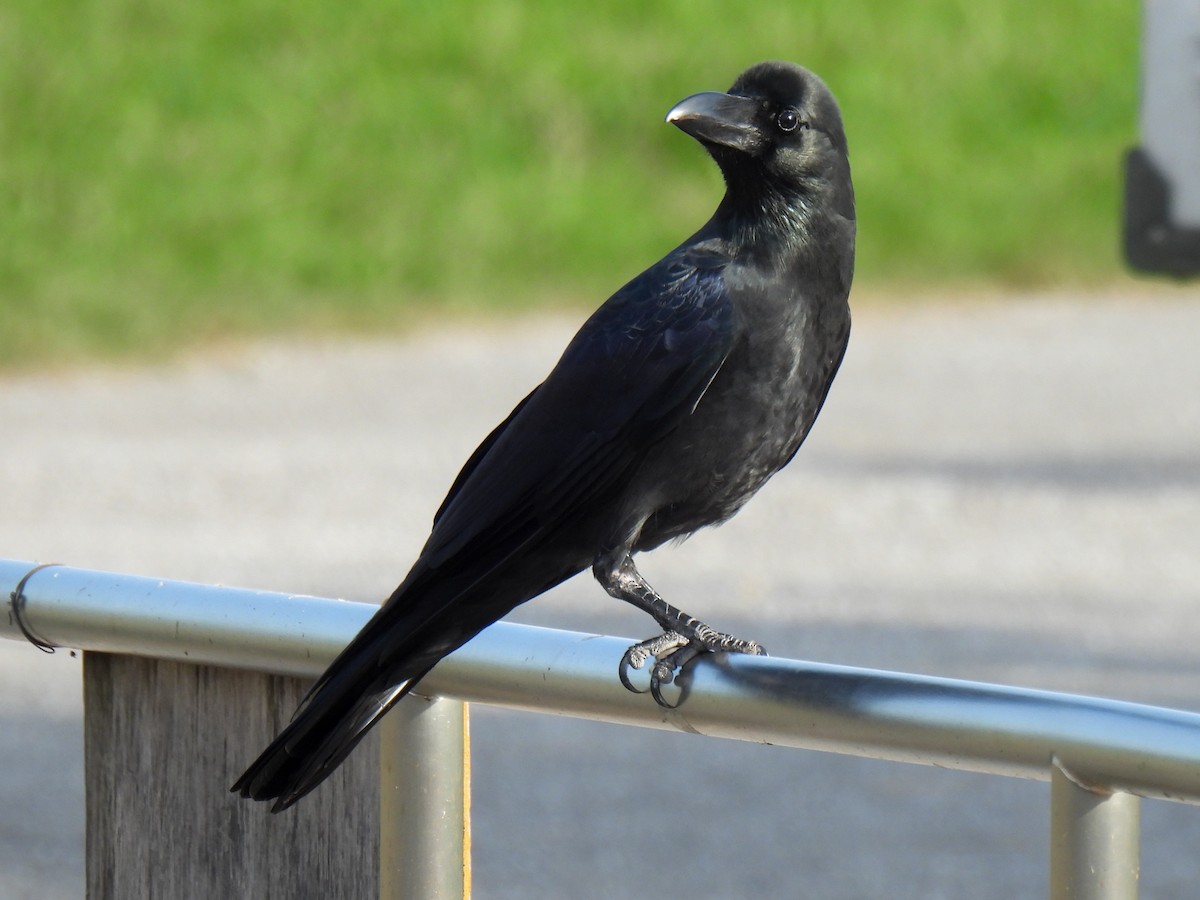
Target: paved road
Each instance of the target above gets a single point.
(1006, 491)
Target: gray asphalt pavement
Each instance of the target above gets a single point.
(1005, 491)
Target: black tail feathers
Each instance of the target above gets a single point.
(322, 734)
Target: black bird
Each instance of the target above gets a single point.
(675, 402)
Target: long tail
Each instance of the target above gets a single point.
(431, 614)
(382, 664)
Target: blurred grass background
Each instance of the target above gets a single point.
(179, 173)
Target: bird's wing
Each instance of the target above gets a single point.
(638, 366)
(480, 452)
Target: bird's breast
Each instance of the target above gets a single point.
(749, 423)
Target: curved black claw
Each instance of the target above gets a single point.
(664, 671)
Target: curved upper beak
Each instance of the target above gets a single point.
(716, 118)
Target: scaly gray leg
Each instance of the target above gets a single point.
(683, 637)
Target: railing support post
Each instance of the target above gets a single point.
(424, 797)
(1094, 851)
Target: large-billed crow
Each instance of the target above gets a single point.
(674, 403)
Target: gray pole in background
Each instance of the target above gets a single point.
(1162, 174)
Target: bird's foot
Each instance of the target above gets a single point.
(672, 650)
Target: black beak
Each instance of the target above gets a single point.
(715, 118)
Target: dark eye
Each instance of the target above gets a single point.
(788, 120)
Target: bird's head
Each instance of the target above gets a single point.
(777, 136)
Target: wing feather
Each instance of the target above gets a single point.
(638, 366)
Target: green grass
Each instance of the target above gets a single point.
(173, 173)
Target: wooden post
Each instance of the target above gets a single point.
(163, 741)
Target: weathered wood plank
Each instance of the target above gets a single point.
(163, 743)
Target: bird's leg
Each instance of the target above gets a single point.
(683, 637)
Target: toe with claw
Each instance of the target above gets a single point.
(672, 650)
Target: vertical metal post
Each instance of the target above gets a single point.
(1094, 852)
(424, 801)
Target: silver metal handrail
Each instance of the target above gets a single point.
(1098, 753)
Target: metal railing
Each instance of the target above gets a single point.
(1100, 755)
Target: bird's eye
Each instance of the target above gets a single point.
(789, 120)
